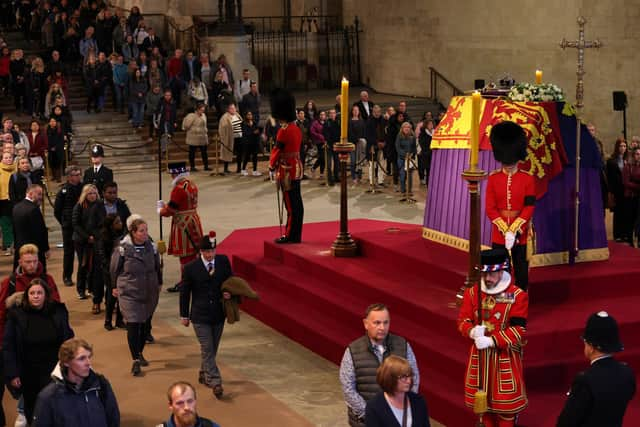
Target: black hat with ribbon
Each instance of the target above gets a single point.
(208, 241)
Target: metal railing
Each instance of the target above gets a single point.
(289, 24)
(438, 79)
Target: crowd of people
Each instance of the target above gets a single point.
(620, 181)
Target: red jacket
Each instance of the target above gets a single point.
(285, 156)
(39, 146)
(510, 201)
(174, 67)
(631, 179)
(317, 135)
(4, 66)
(21, 282)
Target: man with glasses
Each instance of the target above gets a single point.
(362, 358)
(66, 199)
(76, 395)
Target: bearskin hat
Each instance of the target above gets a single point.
(283, 105)
(509, 142)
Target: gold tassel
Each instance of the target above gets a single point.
(480, 402)
(162, 247)
(531, 242)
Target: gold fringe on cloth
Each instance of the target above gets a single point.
(557, 258)
(535, 260)
(447, 239)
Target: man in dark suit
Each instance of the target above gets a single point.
(152, 41)
(365, 106)
(29, 226)
(98, 174)
(599, 396)
(201, 304)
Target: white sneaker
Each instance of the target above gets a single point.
(257, 173)
(21, 421)
(244, 172)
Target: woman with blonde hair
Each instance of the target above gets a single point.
(405, 146)
(36, 88)
(50, 99)
(135, 271)
(84, 238)
(7, 168)
(396, 404)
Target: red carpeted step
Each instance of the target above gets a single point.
(347, 308)
(318, 330)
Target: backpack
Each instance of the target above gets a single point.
(12, 282)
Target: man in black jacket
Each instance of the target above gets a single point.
(66, 199)
(599, 396)
(364, 105)
(29, 226)
(98, 174)
(201, 293)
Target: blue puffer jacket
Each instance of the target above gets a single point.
(61, 404)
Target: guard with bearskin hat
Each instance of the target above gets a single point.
(285, 163)
(511, 197)
(498, 335)
(186, 229)
(201, 303)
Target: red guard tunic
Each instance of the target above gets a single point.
(285, 156)
(185, 220)
(510, 201)
(505, 315)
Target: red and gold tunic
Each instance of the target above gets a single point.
(186, 229)
(285, 156)
(504, 315)
(509, 204)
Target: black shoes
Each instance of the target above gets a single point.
(150, 339)
(143, 361)
(67, 281)
(135, 368)
(285, 240)
(218, 391)
(108, 326)
(174, 288)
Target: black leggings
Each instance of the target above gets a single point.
(250, 152)
(238, 150)
(137, 337)
(203, 153)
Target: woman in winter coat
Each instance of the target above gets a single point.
(405, 146)
(251, 144)
(50, 99)
(154, 96)
(21, 180)
(92, 82)
(38, 145)
(7, 168)
(230, 131)
(84, 239)
(56, 138)
(36, 328)
(137, 97)
(195, 125)
(135, 270)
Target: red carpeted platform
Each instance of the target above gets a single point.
(318, 301)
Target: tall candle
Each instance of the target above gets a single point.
(476, 99)
(344, 110)
(538, 77)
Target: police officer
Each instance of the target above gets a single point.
(599, 396)
(97, 174)
(66, 199)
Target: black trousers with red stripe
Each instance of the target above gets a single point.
(295, 212)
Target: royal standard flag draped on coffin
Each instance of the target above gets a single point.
(545, 153)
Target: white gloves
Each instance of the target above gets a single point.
(484, 342)
(160, 205)
(509, 240)
(477, 331)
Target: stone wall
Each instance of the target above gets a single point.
(467, 40)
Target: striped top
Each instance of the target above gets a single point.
(236, 123)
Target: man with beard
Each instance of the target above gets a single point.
(182, 403)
